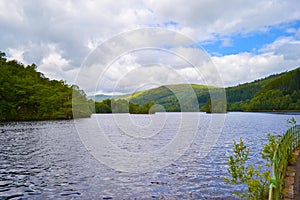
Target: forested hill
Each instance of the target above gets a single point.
(283, 93)
(238, 97)
(280, 92)
(26, 94)
(165, 96)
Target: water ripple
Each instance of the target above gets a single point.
(46, 160)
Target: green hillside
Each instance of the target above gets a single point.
(283, 93)
(192, 97)
(280, 92)
(276, 92)
(26, 94)
(239, 96)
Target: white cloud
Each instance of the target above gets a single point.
(16, 54)
(54, 59)
(279, 56)
(285, 46)
(158, 75)
(226, 42)
(225, 17)
(145, 66)
(59, 36)
(55, 66)
(291, 30)
(279, 42)
(298, 33)
(11, 13)
(246, 67)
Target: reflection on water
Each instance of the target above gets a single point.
(128, 147)
(42, 160)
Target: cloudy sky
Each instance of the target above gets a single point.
(245, 40)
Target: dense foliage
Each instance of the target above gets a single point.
(217, 106)
(26, 94)
(280, 92)
(253, 177)
(238, 97)
(257, 178)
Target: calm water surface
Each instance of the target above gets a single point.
(47, 160)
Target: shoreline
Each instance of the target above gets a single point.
(286, 112)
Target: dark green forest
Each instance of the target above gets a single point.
(279, 92)
(26, 94)
(123, 106)
(283, 93)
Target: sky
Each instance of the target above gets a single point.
(245, 40)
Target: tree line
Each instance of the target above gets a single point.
(123, 106)
(26, 94)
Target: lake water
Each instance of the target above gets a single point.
(56, 160)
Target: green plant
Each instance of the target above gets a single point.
(243, 173)
(269, 149)
(254, 178)
(291, 122)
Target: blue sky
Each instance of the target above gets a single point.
(251, 42)
(245, 40)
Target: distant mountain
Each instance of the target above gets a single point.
(280, 92)
(99, 97)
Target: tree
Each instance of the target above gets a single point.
(254, 178)
(2, 56)
(26, 94)
(216, 106)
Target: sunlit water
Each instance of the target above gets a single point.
(47, 160)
